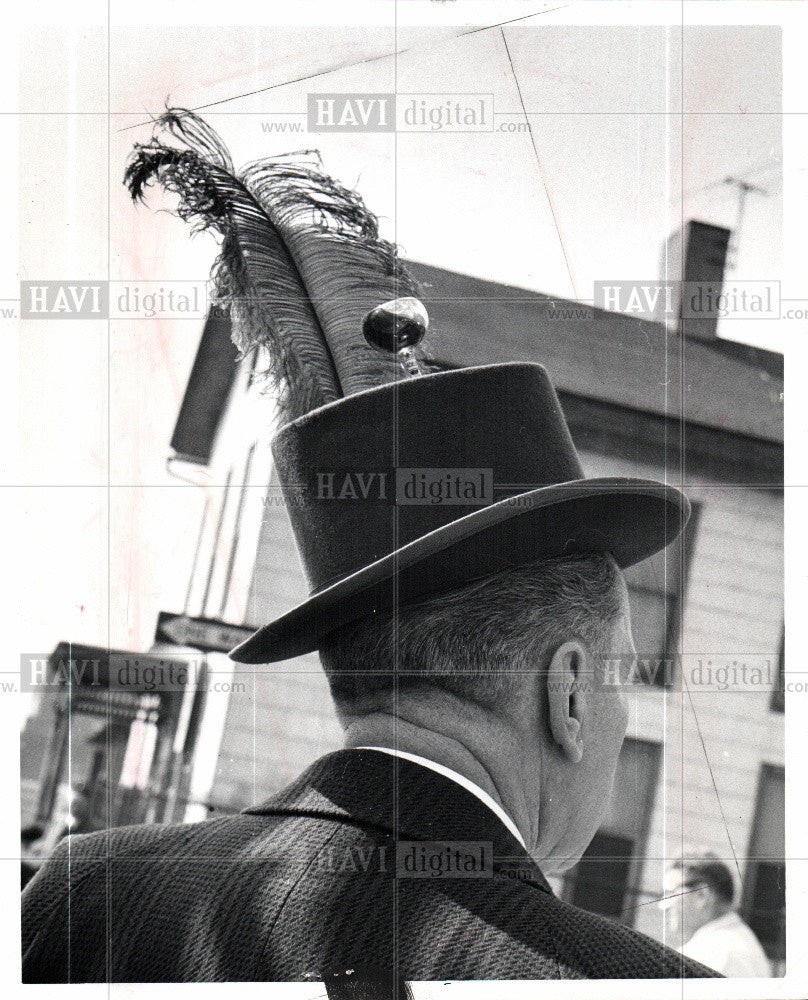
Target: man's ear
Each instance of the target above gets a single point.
(566, 697)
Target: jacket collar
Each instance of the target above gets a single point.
(459, 779)
(403, 799)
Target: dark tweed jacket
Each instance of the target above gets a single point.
(305, 886)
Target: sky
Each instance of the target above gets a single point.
(633, 130)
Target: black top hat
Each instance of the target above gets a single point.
(397, 489)
(422, 486)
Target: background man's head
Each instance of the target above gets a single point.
(524, 648)
(697, 890)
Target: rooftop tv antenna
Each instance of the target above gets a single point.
(745, 188)
(743, 183)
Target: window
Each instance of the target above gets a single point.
(209, 386)
(778, 703)
(602, 879)
(656, 588)
(763, 903)
(606, 879)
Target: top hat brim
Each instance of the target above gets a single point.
(630, 519)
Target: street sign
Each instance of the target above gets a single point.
(207, 634)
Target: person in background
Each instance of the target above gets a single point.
(701, 922)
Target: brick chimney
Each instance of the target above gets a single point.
(697, 257)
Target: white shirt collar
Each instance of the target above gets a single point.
(459, 779)
(728, 919)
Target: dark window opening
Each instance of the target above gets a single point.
(656, 589)
(778, 703)
(209, 386)
(607, 878)
(603, 874)
(763, 903)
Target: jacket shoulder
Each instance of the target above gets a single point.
(575, 943)
(591, 946)
(495, 928)
(90, 873)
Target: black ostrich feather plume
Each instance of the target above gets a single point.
(301, 261)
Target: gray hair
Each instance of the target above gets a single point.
(477, 642)
(707, 870)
